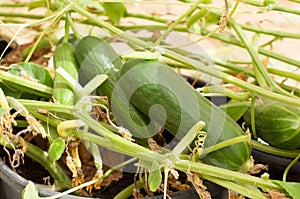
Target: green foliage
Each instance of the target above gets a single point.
(56, 149)
(30, 191)
(30, 71)
(115, 11)
(35, 71)
(155, 177)
(293, 188)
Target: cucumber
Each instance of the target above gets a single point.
(276, 123)
(179, 107)
(95, 56)
(64, 56)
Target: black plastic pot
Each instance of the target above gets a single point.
(3, 43)
(277, 165)
(12, 185)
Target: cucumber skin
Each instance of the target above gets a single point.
(276, 123)
(219, 126)
(93, 54)
(64, 56)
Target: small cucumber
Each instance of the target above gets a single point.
(178, 107)
(64, 56)
(276, 123)
(95, 56)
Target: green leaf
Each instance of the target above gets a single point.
(155, 177)
(115, 11)
(293, 188)
(236, 110)
(56, 149)
(32, 71)
(30, 191)
(35, 71)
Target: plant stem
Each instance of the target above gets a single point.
(273, 150)
(252, 110)
(71, 190)
(184, 60)
(233, 41)
(15, 5)
(149, 17)
(206, 170)
(71, 23)
(33, 104)
(62, 181)
(240, 96)
(289, 167)
(239, 188)
(286, 74)
(272, 7)
(21, 15)
(278, 33)
(235, 68)
(101, 23)
(220, 37)
(228, 78)
(44, 90)
(178, 20)
(279, 57)
(67, 30)
(116, 142)
(151, 27)
(124, 146)
(226, 143)
(261, 70)
(127, 192)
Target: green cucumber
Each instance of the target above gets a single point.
(276, 123)
(64, 56)
(95, 56)
(178, 107)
